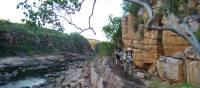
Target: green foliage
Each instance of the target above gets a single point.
(24, 40)
(172, 6)
(159, 84)
(158, 14)
(105, 48)
(198, 33)
(132, 8)
(41, 12)
(113, 30)
(8, 27)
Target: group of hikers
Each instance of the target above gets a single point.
(126, 57)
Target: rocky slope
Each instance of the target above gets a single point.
(14, 68)
(105, 74)
(78, 76)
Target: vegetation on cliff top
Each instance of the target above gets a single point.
(22, 38)
(132, 8)
(173, 6)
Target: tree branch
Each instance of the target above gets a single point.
(89, 19)
(181, 28)
(147, 6)
(70, 22)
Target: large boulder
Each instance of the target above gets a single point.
(171, 69)
(193, 72)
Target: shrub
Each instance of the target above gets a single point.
(172, 6)
(160, 84)
(132, 8)
(198, 33)
(105, 48)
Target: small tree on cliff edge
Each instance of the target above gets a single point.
(113, 30)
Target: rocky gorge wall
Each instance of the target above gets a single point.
(20, 38)
(175, 69)
(148, 45)
(161, 53)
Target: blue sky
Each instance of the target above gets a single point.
(103, 9)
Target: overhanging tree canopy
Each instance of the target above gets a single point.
(41, 12)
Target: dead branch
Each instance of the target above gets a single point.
(70, 21)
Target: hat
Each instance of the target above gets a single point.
(129, 49)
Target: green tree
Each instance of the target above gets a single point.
(52, 12)
(113, 30)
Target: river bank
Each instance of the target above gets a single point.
(78, 76)
(13, 69)
(75, 72)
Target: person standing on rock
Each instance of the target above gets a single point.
(117, 55)
(128, 58)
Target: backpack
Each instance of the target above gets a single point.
(128, 56)
(117, 52)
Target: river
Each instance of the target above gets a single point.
(27, 82)
(25, 72)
